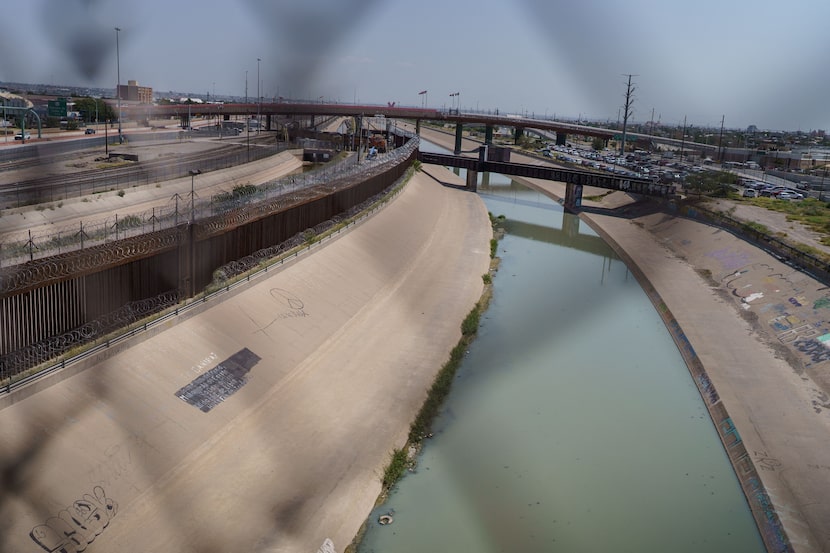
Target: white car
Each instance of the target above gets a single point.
(21, 136)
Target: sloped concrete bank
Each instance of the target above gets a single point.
(769, 524)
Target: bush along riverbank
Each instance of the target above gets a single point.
(403, 460)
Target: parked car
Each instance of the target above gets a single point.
(803, 185)
(750, 193)
(21, 136)
(789, 195)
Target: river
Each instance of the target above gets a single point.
(573, 424)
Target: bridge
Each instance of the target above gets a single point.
(270, 110)
(574, 180)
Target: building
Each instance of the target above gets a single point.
(131, 92)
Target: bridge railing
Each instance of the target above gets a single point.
(181, 209)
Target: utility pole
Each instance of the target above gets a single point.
(651, 123)
(683, 139)
(720, 139)
(629, 99)
(258, 97)
(118, 86)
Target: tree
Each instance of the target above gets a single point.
(712, 183)
(87, 107)
(598, 144)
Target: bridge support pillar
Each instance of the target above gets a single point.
(573, 197)
(459, 132)
(488, 134)
(570, 224)
(472, 180)
(418, 127)
(518, 133)
(561, 138)
(268, 122)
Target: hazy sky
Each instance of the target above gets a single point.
(753, 61)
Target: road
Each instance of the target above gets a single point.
(68, 213)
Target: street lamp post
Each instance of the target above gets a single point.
(455, 97)
(258, 96)
(118, 87)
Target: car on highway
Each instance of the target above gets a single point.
(89, 131)
(22, 136)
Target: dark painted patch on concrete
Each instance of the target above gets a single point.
(219, 383)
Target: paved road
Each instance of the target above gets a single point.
(66, 214)
(339, 348)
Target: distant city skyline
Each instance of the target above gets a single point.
(750, 63)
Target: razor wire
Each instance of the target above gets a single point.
(180, 209)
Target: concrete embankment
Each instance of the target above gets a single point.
(263, 422)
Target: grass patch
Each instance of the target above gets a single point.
(396, 468)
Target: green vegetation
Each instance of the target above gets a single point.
(757, 227)
(130, 221)
(121, 193)
(239, 191)
(92, 107)
(486, 278)
(720, 184)
(812, 213)
(470, 324)
(396, 468)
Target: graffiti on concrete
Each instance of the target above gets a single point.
(813, 348)
(765, 462)
(77, 526)
(798, 301)
(296, 307)
(822, 302)
(729, 259)
(783, 322)
(219, 383)
(729, 432)
(327, 547)
(199, 367)
(798, 334)
(707, 389)
(116, 464)
(772, 529)
(291, 307)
